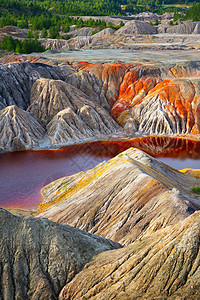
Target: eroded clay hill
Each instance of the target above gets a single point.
(39, 257)
(162, 265)
(147, 206)
(51, 105)
(152, 99)
(19, 129)
(122, 199)
(84, 102)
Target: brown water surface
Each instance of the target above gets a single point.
(24, 173)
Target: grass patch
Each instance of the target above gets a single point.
(196, 189)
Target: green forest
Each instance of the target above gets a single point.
(51, 16)
(41, 14)
(25, 46)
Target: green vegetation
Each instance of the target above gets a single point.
(194, 12)
(171, 23)
(196, 189)
(44, 33)
(64, 187)
(27, 46)
(39, 14)
(46, 18)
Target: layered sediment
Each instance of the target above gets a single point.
(150, 99)
(163, 265)
(39, 257)
(94, 101)
(133, 199)
(122, 199)
(147, 206)
(19, 130)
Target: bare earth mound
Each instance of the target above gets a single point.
(163, 265)
(123, 198)
(39, 257)
(19, 130)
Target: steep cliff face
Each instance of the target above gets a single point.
(76, 42)
(163, 265)
(185, 28)
(123, 198)
(19, 130)
(137, 82)
(39, 257)
(111, 77)
(48, 97)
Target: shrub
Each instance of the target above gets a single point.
(196, 189)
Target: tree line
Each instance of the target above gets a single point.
(194, 12)
(54, 15)
(25, 46)
(41, 14)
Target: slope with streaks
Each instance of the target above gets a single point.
(39, 257)
(122, 198)
(19, 130)
(163, 265)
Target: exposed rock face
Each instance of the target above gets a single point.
(142, 195)
(13, 31)
(143, 101)
(48, 97)
(104, 32)
(146, 16)
(160, 265)
(19, 130)
(185, 28)
(124, 81)
(82, 92)
(39, 257)
(74, 43)
(136, 27)
(68, 113)
(16, 81)
(54, 44)
(110, 75)
(145, 98)
(172, 107)
(146, 39)
(69, 126)
(89, 84)
(81, 31)
(137, 82)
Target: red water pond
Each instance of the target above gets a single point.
(23, 174)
